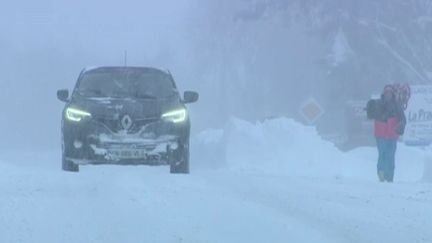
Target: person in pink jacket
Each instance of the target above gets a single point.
(389, 125)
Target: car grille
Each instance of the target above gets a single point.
(115, 125)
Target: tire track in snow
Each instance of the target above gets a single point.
(330, 207)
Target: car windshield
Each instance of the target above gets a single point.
(126, 83)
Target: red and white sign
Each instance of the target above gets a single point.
(311, 110)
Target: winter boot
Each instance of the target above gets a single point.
(381, 176)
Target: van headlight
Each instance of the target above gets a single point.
(76, 115)
(175, 116)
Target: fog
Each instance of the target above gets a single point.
(45, 44)
(254, 168)
(248, 59)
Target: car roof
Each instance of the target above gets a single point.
(123, 68)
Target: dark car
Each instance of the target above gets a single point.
(126, 116)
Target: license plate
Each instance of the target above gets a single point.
(128, 153)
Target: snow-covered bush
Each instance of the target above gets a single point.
(427, 171)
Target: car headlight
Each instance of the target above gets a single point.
(76, 115)
(175, 116)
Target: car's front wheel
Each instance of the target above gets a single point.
(180, 161)
(69, 166)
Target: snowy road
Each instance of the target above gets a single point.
(39, 203)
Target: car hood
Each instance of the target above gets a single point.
(135, 108)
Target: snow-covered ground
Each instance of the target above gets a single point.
(275, 181)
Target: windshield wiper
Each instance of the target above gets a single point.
(145, 96)
(91, 92)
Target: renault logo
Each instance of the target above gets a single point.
(126, 122)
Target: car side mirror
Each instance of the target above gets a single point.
(190, 97)
(63, 95)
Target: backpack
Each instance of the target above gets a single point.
(402, 94)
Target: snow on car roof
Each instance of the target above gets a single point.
(91, 68)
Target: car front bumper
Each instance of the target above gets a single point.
(93, 143)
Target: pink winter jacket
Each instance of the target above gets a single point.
(391, 121)
(387, 130)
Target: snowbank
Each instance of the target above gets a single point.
(208, 149)
(427, 172)
(280, 146)
(427, 176)
(283, 146)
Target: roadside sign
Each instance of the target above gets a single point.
(357, 108)
(311, 111)
(418, 131)
(357, 129)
